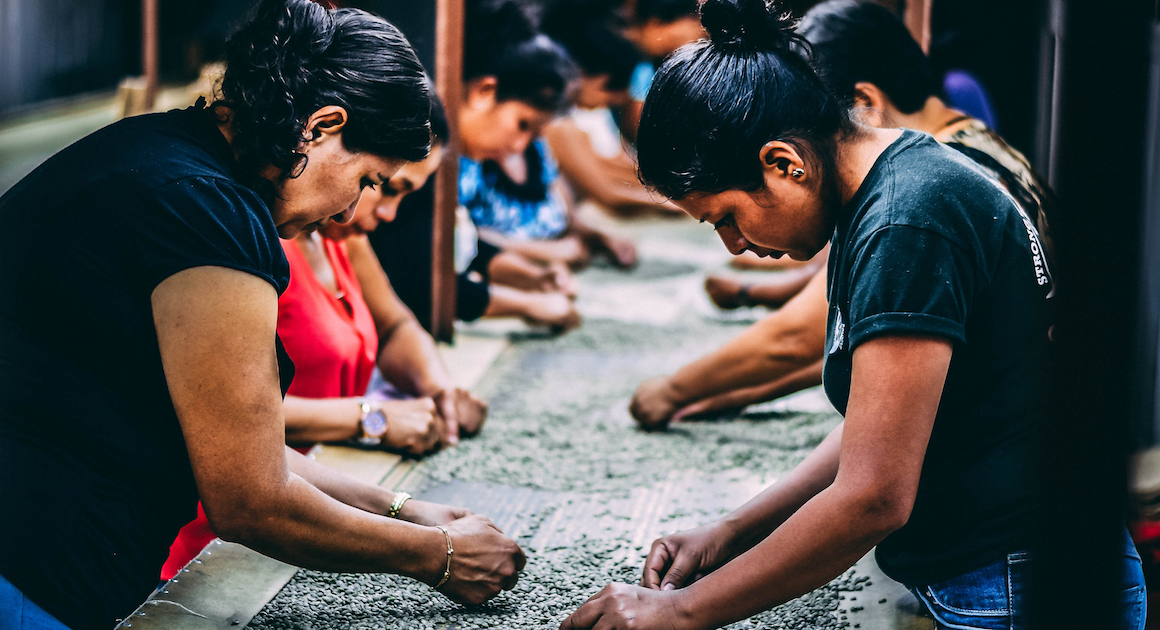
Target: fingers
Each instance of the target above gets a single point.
(655, 565)
(682, 567)
(587, 615)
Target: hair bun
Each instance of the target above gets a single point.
(748, 24)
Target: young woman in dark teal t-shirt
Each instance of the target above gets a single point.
(935, 336)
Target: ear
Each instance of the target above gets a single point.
(870, 104)
(781, 163)
(327, 121)
(481, 92)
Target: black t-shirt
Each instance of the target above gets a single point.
(930, 245)
(95, 479)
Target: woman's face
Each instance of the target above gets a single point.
(329, 185)
(593, 92)
(789, 215)
(491, 129)
(380, 204)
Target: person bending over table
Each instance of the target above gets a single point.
(145, 285)
(935, 338)
(869, 60)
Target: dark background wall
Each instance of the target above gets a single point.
(55, 48)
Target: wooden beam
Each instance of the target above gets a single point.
(149, 51)
(449, 18)
(917, 18)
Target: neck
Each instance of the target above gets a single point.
(856, 156)
(931, 118)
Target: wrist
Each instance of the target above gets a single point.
(430, 567)
(690, 613)
(676, 393)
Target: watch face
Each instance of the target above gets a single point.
(375, 424)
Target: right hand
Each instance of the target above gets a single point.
(678, 560)
(412, 425)
(485, 561)
(654, 403)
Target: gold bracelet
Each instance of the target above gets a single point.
(450, 550)
(397, 504)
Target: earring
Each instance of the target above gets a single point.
(797, 172)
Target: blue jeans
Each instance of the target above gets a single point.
(995, 596)
(18, 613)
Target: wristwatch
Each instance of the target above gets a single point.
(372, 424)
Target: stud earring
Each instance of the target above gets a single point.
(797, 172)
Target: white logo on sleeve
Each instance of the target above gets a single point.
(839, 333)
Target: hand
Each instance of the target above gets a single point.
(654, 403)
(680, 559)
(462, 413)
(430, 514)
(485, 561)
(412, 425)
(560, 278)
(625, 607)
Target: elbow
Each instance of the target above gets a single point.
(795, 342)
(237, 521)
(882, 513)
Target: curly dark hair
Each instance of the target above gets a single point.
(293, 57)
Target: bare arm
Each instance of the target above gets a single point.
(895, 388)
(593, 174)
(896, 385)
(407, 355)
(785, 342)
(215, 330)
(738, 398)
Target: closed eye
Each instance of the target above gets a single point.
(366, 183)
(726, 221)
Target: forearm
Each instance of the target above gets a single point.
(769, 350)
(513, 270)
(821, 540)
(298, 523)
(408, 359)
(340, 486)
(761, 515)
(508, 302)
(321, 419)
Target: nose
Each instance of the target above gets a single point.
(733, 240)
(387, 211)
(520, 142)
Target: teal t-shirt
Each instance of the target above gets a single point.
(930, 245)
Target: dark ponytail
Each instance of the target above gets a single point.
(714, 103)
(294, 57)
(501, 42)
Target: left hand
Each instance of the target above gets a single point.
(462, 413)
(431, 514)
(625, 607)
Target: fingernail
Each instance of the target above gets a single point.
(668, 587)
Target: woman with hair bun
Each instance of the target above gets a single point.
(146, 285)
(935, 340)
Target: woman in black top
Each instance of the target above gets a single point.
(936, 329)
(144, 282)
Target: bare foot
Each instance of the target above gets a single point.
(553, 309)
(727, 293)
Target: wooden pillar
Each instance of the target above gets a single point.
(449, 18)
(149, 51)
(917, 18)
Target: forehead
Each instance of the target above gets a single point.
(698, 204)
(522, 110)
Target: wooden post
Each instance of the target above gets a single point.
(149, 51)
(449, 18)
(917, 18)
